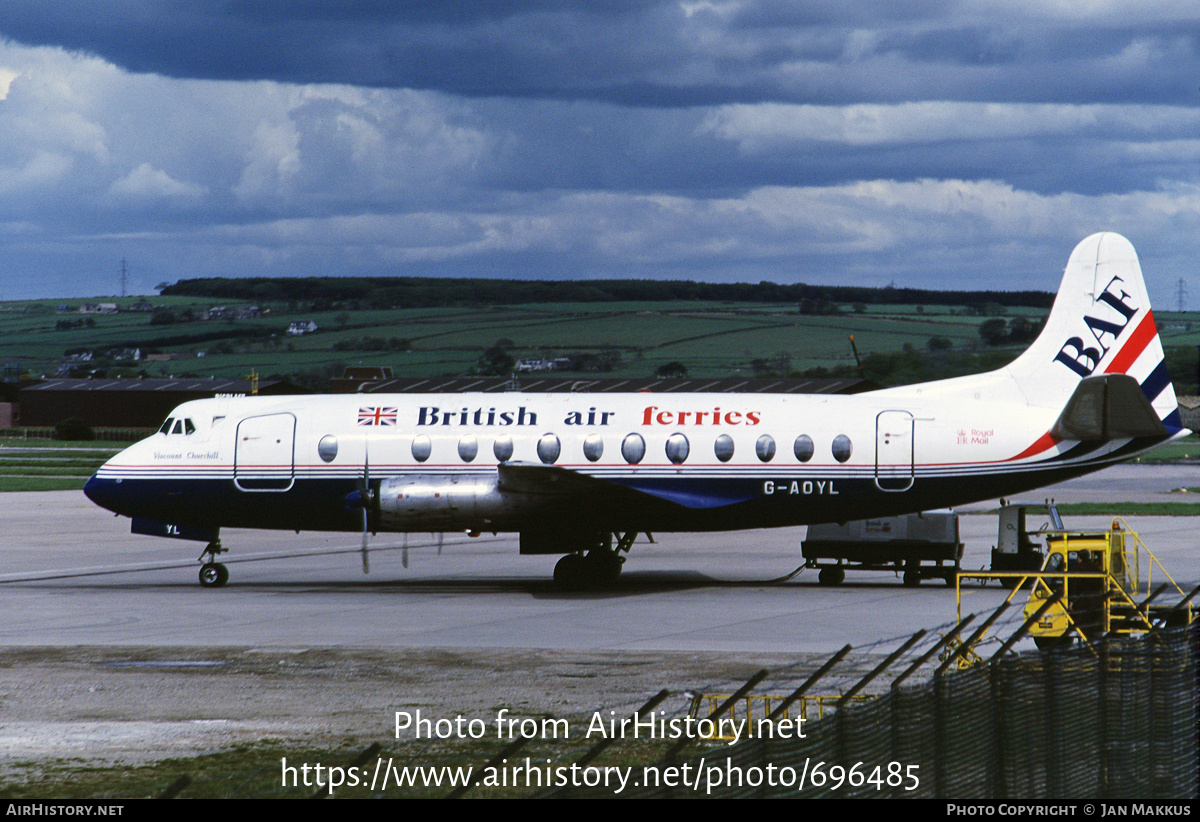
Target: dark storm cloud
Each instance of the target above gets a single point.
(929, 143)
(634, 53)
(514, 48)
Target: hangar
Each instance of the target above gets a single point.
(134, 403)
(383, 384)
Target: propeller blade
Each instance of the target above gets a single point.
(366, 499)
(404, 552)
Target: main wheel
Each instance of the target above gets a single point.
(213, 575)
(602, 569)
(570, 572)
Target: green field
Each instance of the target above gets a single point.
(47, 465)
(710, 339)
(615, 339)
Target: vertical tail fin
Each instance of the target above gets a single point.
(1101, 324)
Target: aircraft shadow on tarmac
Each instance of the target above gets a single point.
(637, 584)
(631, 583)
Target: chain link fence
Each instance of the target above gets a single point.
(1113, 720)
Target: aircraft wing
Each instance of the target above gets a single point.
(552, 481)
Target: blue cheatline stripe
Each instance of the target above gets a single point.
(1158, 380)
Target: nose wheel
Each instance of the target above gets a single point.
(213, 574)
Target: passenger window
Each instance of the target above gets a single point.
(633, 448)
(468, 448)
(548, 448)
(327, 448)
(421, 448)
(593, 447)
(503, 448)
(803, 448)
(765, 448)
(677, 448)
(842, 448)
(723, 448)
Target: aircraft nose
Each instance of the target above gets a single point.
(103, 492)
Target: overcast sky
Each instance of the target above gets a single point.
(931, 144)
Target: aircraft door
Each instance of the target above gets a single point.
(894, 450)
(264, 456)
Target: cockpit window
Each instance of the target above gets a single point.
(177, 426)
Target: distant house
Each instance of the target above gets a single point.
(237, 312)
(98, 308)
(531, 365)
(134, 354)
(73, 361)
(299, 327)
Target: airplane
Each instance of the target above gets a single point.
(571, 472)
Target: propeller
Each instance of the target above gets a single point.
(363, 498)
(365, 495)
(404, 551)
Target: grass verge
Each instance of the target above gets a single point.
(256, 771)
(1131, 509)
(25, 483)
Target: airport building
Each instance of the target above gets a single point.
(132, 403)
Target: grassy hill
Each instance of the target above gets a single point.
(711, 339)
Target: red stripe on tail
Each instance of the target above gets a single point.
(1047, 440)
(1134, 346)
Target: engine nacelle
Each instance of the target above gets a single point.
(445, 502)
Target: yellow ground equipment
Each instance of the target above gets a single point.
(1099, 577)
(1105, 582)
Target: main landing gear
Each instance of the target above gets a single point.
(213, 574)
(596, 565)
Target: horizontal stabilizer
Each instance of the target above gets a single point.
(1108, 407)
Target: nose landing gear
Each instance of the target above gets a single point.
(213, 574)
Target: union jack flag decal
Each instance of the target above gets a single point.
(377, 416)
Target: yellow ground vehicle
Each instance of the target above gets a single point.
(1099, 577)
(1105, 582)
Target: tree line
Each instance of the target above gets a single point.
(429, 292)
